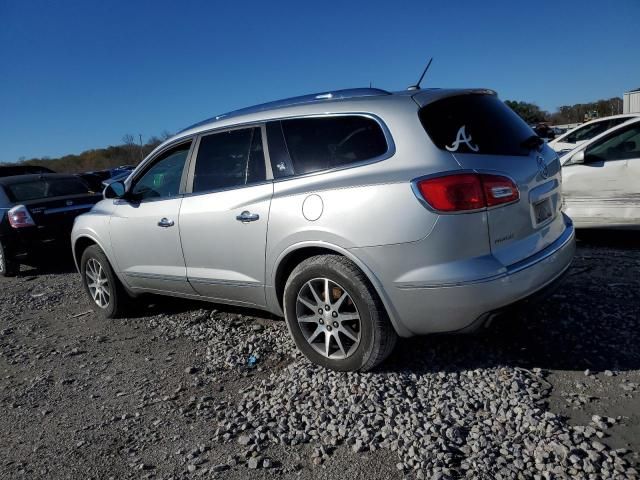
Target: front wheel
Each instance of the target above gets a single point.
(335, 316)
(8, 267)
(107, 296)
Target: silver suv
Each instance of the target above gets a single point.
(360, 215)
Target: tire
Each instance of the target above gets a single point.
(111, 303)
(334, 276)
(8, 266)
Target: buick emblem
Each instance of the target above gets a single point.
(542, 167)
(69, 203)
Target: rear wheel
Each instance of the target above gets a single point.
(8, 266)
(106, 294)
(335, 315)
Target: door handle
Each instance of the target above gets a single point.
(166, 223)
(247, 216)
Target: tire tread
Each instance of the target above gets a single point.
(385, 336)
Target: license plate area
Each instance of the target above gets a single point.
(542, 211)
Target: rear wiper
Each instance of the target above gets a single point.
(534, 141)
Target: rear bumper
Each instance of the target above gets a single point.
(30, 241)
(459, 306)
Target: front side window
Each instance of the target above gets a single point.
(229, 159)
(163, 179)
(475, 123)
(587, 132)
(321, 143)
(622, 145)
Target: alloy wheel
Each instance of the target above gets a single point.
(328, 318)
(98, 283)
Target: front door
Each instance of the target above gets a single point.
(145, 234)
(223, 220)
(604, 190)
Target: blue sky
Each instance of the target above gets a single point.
(76, 75)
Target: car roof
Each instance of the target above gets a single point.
(335, 101)
(331, 97)
(34, 176)
(630, 116)
(621, 115)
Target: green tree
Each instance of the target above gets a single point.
(529, 112)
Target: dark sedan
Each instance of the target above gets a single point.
(37, 214)
(11, 170)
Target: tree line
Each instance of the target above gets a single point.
(578, 113)
(129, 152)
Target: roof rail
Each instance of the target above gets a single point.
(303, 99)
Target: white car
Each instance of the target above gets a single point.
(601, 179)
(587, 131)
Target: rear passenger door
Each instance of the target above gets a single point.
(223, 217)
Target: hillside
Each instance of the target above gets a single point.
(127, 153)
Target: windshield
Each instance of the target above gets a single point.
(587, 132)
(46, 188)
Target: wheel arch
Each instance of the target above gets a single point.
(297, 253)
(79, 246)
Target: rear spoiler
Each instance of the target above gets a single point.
(427, 96)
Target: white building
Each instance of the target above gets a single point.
(631, 101)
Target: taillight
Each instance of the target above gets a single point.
(20, 217)
(499, 190)
(461, 192)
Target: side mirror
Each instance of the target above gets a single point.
(115, 190)
(577, 158)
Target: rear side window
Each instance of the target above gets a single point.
(475, 123)
(46, 188)
(229, 159)
(321, 143)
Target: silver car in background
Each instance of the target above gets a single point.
(359, 215)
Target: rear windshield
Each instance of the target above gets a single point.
(45, 188)
(475, 123)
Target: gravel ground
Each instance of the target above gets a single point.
(192, 390)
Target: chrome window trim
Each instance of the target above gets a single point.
(391, 146)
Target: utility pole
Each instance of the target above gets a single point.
(141, 152)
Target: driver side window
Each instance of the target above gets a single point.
(163, 179)
(622, 145)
